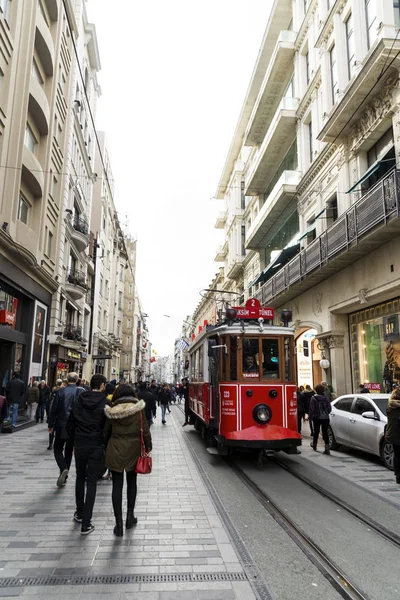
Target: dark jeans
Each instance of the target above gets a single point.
(300, 417)
(396, 459)
(63, 450)
(40, 412)
(323, 424)
(187, 410)
(118, 484)
(89, 464)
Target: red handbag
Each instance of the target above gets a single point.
(144, 462)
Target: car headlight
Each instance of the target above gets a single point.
(262, 414)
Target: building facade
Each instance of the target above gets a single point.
(37, 78)
(310, 187)
(71, 314)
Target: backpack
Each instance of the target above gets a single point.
(323, 413)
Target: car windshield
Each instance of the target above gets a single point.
(382, 404)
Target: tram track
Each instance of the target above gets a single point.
(364, 519)
(335, 576)
(327, 567)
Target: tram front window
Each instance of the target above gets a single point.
(270, 350)
(250, 356)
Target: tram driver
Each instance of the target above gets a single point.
(249, 364)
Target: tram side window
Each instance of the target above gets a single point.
(250, 357)
(288, 359)
(224, 359)
(270, 350)
(233, 358)
(201, 371)
(192, 367)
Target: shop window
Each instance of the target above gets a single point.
(375, 341)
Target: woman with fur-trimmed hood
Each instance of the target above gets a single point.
(392, 434)
(122, 439)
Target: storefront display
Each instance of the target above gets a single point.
(375, 345)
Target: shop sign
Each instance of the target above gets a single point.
(61, 366)
(391, 327)
(72, 354)
(373, 387)
(7, 318)
(84, 355)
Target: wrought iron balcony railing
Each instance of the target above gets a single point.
(375, 207)
(73, 332)
(76, 277)
(80, 224)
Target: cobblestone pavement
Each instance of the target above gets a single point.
(179, 545)
(362, 469)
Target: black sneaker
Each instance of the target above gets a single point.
(62, 479)
(86, 529)
(77, 518)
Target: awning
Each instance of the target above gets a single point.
(282, 259)
(367, 174)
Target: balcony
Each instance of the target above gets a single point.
(39, 107)
(32, 172)
(76, 284)
(339, 125)
(235, 266)
(44, 44)
(369, 223)
(273, 87)
(221, 253)
(279, 138)
(220, 220)
(79, 232)
(275, 211)
(73, 333)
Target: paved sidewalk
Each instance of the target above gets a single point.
(179, 549)
(360, 468)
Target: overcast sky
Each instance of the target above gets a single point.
(173, 79)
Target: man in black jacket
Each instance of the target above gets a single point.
(15, 394)
(85, 426)
(151, 406)
(61, 408)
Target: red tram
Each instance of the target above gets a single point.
(242, 391)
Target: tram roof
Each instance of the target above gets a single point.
(240, 328)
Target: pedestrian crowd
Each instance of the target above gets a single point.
(102, 424)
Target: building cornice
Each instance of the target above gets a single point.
(307, 21)
(310, 93)
(327, 29)
(23, 257)
(316, 167)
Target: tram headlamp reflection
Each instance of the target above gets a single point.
(262, 414)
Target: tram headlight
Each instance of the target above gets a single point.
(262, 414)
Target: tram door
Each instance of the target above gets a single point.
(214, 375)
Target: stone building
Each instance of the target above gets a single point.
(310, 186)
(40, 223)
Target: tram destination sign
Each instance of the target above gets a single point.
(253, 310)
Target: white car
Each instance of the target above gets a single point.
(359, 421)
